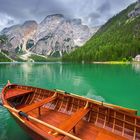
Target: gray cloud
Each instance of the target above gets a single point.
(105, 7)
(27, 9)
(10, 21)
(92, 12)
(94, 15)
(104, 10)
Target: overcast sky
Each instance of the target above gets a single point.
(92, 12)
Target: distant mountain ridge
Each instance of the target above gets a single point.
(118, 39)
(54, 36)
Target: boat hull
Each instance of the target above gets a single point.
(45, 112)
(29, 131)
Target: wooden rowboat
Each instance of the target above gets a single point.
(55, 115)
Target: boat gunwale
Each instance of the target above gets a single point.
(108, 105)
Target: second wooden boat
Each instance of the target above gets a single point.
(55, 115)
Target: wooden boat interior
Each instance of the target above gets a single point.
(81, 117)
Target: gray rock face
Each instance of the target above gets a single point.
(136, 11)
(54, 34)
(18, 35)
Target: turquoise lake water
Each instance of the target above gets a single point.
(117, 84)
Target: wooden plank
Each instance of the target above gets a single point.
(16, 92)
(32, 98)
(65, 109)
(109, 116)
(135, 129)
(22, 99)
(97, 115)
(61, 104)
(27, 99)
(114, 121)
(89, 116)
(112, 106)
(15, 111)
(123, 126)
(69, 124)
(72, 105)
(105, 119)
(129, 123)
(54, 128)
(38, 104)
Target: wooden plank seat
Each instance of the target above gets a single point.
(38, 104)
(16, 92)
(70, 124)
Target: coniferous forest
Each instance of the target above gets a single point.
(117, 40)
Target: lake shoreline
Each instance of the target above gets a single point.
(95, 62)
(112, 62)
(116, 62)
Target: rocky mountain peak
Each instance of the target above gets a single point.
(29, 25)
(55, 35)
(54, 17)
